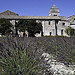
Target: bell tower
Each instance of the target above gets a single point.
(54, 11)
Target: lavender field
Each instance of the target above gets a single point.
(62, 48)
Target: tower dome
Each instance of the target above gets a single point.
(54, 11)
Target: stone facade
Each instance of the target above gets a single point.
(53, 25)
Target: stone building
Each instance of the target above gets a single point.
(53, 25)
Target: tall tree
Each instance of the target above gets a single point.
(29, 25)
(70, 31)
(5, 26)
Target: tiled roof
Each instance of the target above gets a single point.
(35, 17)
(63, 17)
(11, 15)
(54, 9)
(71, 16)
(39, 17)
(8, 12)
(54, 6)
(72, 19)
(29, 17)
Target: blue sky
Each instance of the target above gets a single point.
(38, 7)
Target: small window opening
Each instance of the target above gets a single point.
(63, 23)
(49, 22)
(50, 33)
(62, 32)
(55, 15)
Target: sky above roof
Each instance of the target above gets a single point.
(38, 7)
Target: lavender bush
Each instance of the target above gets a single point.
(62, 48)
(16, 60)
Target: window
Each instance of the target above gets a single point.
(50, 33)
(56, 21)
(62, 32)
(55, 15)
(49, 22)
(63, 24)
(41, 33)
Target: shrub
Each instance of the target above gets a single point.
(17, 62)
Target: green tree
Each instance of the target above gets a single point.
(5, 26)
(29, 25)
(70, 31)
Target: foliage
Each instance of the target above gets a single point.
(29, 25)
(14, 61)
(70, 31)
(5, 26)
(63, 48)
